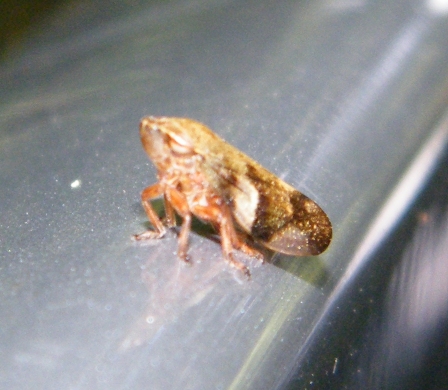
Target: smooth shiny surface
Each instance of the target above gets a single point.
(339, 98)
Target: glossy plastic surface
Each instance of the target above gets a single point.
(345, 100)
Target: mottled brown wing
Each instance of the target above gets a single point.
(270, 210)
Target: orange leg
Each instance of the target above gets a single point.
(217, 214)
(178, 201)
(221, 218)
(170, 218)
(149, 193)
(226, 231)
(239, 242)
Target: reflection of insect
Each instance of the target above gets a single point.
(200, 174)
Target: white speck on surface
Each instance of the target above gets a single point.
(76, 183)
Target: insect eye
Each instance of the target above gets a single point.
(177, 148)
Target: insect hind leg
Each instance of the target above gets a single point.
(239, 242)
(228, 241)
(221, 219)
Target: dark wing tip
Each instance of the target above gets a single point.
(307, 233)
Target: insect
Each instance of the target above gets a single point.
(200, 174)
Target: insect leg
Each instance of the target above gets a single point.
(239, 242)
(178, 201)
(149, 193)
(170, 218)
(221, 219)
(227, 232)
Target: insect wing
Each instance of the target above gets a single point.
(267, 208)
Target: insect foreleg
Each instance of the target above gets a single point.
(149, 193)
